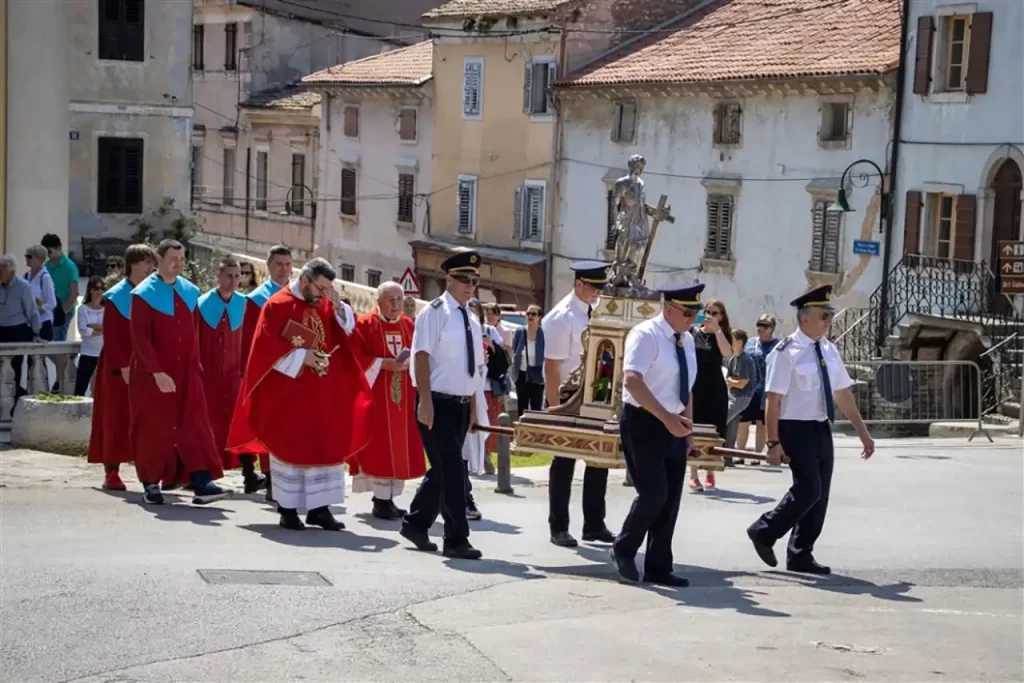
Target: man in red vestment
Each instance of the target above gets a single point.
(219, 321)
(395, 452)
(304, 399)
(111, 411)
(279, 269)
(170, 426)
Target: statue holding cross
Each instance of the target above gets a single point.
(633, 235)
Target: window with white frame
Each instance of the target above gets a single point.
(406, 192)
(348, 191)
(228, 192)
(348, 272)
(826, 236)
(953, 51)
(262, 178)
(528, 211)
(728, 118)
(351, 121)
(466, 214)
(624, 121)
(721, 208)
(943, 224)
(473, 87)
(538, 78)
(407, 124)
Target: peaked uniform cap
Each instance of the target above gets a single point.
(688, 296)
(462, 263)
(592, 272)
(819, 297)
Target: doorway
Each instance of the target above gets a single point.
(1006, 187)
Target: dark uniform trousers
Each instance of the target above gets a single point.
(809, 447)
(443, 488)
(656, 461)
(595, 484)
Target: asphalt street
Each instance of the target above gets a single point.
(925, 541)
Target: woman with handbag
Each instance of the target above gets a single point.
(528, 363)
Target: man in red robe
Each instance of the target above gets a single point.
(170, 425)
(279, 269)
(219, 322)
(304, 399)
(111, 410)
(395, 452)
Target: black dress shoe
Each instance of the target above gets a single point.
(764, 551)
(601, 536)
(808, 566)
(255, 483)
(270, 494)
(397, 510)
(563, 539)
(462, 551)
(670, 580)
(626, 567)
(290, 520)
(385, 509)
(323, 518)
(418, 538)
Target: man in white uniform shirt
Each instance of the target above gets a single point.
(563, 330)
(659, 368)
(805, 373)
(447, 348)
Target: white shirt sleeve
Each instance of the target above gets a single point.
(291, 364)
(556, 337)
(840, 378)
(480, 379)
(49, 297)
(691, 357)
(427, 330)
(83, 323)
(343, 314)
(641, 350)
(779, 372)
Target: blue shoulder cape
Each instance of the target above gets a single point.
(160, 295)
(212, 307)
(121, 296)
(260, 295)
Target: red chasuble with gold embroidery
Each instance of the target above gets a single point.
(395, 450)
(310, 420)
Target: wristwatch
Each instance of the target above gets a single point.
(771, 444)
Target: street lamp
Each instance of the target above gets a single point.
(842, 204)
(312, 213)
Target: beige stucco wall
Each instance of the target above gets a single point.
(504, 148)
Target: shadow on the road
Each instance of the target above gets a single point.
(177, 508)
(727, 496)
(495, 527)
(513, 570)
(514, 479)
(850, 585)
(314, 537)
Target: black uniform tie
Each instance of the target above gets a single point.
(826, 383)
(684, 371)
(470, 359)
(590, 311)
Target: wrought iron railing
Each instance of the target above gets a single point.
(1000, 372)
(851, 333)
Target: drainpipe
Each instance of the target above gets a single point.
(248, 206)
(901, 82)
(556, 154)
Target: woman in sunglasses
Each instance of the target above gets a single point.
(90, 329)
(528, 363)
(713, 341)
(249, 279)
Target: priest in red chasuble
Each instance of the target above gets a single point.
(111, 410)
(395, 452)
(304, 398)
(219, 321)
(170, 426)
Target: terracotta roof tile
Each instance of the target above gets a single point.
(292, 96)
(754, 39)
(502, 8)
(411, 65)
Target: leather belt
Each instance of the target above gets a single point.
(451, 397)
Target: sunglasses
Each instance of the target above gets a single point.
(533, 315)
(763, 325)
(714, 314)
(465, 279)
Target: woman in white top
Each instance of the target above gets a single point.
(42, 289)
(90, 329)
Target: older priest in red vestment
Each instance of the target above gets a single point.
(111, 410)
(395, 452)
(304, 398)
(170, 426)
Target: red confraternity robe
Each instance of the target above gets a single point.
(109, 443)
(395, 450)
(308, 420)
(219, 325)
(170, 433)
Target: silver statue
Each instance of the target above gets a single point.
(631, 227)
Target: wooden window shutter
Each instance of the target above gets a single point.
(923, 58)
(520, 229)
(527, 87)
(348, 191)
(963, 238)
(134, 48)
(549, 87)
(912, 223)
(817, 236)
(978, 57)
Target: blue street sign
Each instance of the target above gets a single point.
(866, 247)
(74, 135)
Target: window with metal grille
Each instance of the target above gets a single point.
(538, 95)
(373, 277)
(728, 117)
(406, 187)
(262, 170)
(720, 210)
(228, 193)
(407, 124)
(528, 211)
(472, 86)
(348, 191)
(119, 173)
(198, 47)
(298, 185)
(122, 30)
(348, 272)
(467, 205)
(611, 236)
(351, 113)
(230, 47)
(624, 122)
(825, 239)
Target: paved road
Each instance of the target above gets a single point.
(926, 542)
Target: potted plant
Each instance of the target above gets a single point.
(53, 423)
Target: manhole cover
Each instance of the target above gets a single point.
(243, 577)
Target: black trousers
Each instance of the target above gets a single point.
(595, 485)
(656, 462)
(86, 366)
(802, 510)
(443, 489)
(529, 396)
(17, 333)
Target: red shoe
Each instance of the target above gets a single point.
(112, 482)
(710, 481)
(696, 485)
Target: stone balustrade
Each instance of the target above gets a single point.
(39, 376)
